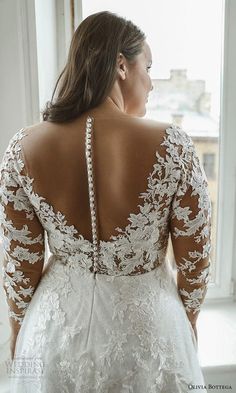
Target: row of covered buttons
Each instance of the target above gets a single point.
(89, 158)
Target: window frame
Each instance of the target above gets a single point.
(224, 285)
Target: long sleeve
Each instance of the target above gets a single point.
(191, 230)
(22, 239)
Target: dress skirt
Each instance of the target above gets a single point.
(105, 334)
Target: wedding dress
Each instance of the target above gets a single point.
(107, 316)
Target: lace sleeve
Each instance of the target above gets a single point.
(22, 238)
(191, 230)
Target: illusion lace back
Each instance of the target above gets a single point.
(107, 316)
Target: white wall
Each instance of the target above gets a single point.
(18, 68)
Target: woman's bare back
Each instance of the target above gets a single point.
(124, 154)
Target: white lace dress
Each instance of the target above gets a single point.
(107, 316)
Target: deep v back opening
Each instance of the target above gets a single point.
(146, 195)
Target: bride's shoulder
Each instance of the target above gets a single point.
(161, 131)
(149, 125)
(150, 131)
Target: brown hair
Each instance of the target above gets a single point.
(90, 71)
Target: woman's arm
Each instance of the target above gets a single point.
(190, 227)
(23, 244)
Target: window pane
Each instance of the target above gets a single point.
(186, 43)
